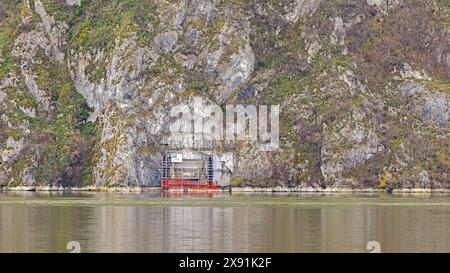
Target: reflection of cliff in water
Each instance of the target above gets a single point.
(214, 229)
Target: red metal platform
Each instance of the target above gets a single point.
(180, 183)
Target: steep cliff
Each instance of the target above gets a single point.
(363, 87)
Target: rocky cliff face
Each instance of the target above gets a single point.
(363, 87)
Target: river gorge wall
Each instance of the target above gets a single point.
(86, 89)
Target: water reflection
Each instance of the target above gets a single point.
(227, 228)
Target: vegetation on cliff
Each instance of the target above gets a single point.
(363, 87)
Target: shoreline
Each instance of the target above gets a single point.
(230, 189)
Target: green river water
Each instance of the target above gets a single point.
(223, 222)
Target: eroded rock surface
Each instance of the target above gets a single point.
(86, 89)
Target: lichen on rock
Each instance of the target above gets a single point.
(86, 88)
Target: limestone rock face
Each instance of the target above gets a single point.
(436, 108)
(87, 89)
(432, 106)
(73, 2)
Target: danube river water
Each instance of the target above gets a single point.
(199, 222)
